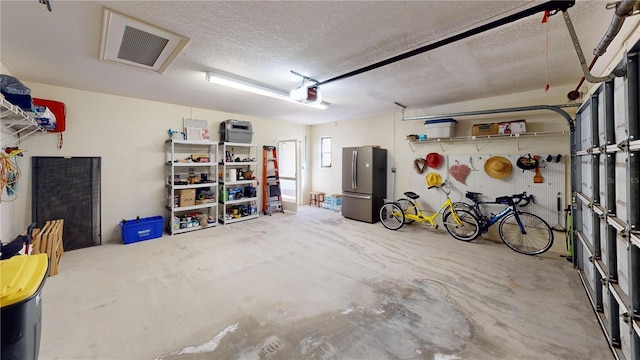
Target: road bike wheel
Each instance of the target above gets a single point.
(408, 207)
(538, 236)
(469, 228)
(391, 216)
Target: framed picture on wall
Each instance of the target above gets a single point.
(196, 130)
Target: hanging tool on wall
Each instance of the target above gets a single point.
(559, 226)
(568, 220)
(537, 178)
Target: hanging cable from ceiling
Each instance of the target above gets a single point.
(545, 20)
(47, 3)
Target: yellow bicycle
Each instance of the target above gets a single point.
(461, 224)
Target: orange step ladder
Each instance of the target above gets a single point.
(271, 194)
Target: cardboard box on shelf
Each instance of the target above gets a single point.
(186, 197)
(485, 129)
(504, 128)
(518, 126)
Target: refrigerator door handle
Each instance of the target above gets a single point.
(354, 166)
(364, 197)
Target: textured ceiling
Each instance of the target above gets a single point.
(264, 40)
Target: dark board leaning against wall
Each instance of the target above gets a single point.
(606, 213)
(69, 189)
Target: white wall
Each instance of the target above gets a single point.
(369, 131)
(389, 131)
(128, 135)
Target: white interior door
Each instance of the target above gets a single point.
(288, 170)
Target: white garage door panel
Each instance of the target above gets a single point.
(603, 241)
(587, 226)
(607, 179)
(606, 304)
(602, 135)
(625, 339)
(621, 187)
(588, 272)
(623, 264)
(587, 188)
(585, 128)
(602, 179)
(620, 112)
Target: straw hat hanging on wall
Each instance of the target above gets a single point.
(498, 167)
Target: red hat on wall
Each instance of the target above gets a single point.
(434, 160)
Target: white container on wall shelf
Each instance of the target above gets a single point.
(440, 128)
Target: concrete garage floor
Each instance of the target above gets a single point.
(316, 286)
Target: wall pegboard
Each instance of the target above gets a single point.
(545, 193)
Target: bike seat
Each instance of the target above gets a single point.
(411, 195)
(472, 195)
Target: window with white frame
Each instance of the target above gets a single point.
(325, 151)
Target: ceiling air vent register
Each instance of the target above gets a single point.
(132, 42)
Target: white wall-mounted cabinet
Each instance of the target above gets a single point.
(192, 187)
(238, 195)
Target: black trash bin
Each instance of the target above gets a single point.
(22, 278)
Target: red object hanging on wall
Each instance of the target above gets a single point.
(58, 109)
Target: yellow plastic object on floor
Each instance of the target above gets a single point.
(21, 277)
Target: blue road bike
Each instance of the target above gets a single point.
(521, 231)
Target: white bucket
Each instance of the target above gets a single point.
(232, 175)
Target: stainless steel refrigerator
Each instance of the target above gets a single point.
(364, 182)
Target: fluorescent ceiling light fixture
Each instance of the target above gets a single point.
(241, 84)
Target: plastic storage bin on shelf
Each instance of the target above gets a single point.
(141, 229)
(22, 278)
(440, 128)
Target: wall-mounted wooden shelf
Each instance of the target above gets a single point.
(476, 138)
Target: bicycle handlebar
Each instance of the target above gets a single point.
(518, 198)
(446, 188)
